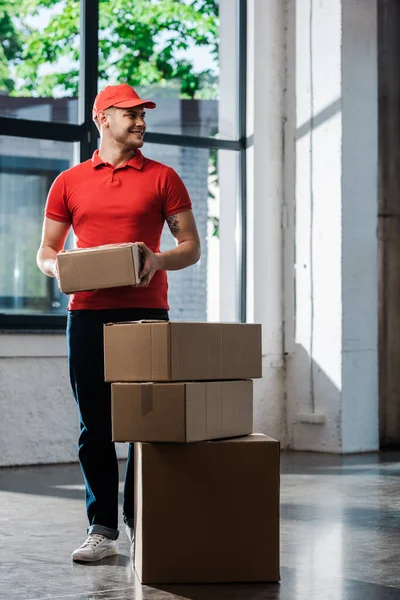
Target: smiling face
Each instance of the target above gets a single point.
(123, 126)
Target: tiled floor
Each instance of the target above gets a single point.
(340, 532)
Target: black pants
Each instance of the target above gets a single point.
(97, 454)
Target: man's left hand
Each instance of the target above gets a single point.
(151, 264)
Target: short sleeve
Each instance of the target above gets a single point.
(56, 203)
(176, 196)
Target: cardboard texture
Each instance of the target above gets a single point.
(177, 351)
(181, 412)
(85, 269)
(207, 512)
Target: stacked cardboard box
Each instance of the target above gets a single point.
(205, 511)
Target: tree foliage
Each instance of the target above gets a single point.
(141, 42)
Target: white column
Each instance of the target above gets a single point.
(266, 81)
(228, 166)
(360, 425)
(332, 390)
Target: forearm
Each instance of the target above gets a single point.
(184, 255)
(46, 260)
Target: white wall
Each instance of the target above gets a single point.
(312, 214)
(39, 423)
(331, 334)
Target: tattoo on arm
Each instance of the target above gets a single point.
(173, 224)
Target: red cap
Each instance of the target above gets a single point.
(121, 96)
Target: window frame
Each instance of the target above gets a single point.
(86, 134)
(41, 167)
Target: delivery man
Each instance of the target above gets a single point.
(117, 196)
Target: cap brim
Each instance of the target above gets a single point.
(133, 103)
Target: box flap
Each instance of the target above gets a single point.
(69, 276)
(160, 356)
(163, 321)
(97, 248)
(188, 351)
(242, 350)
(154, 412)
(253, 438)
(206, 351)
(218, 409)
(139, 353)
(137, 259)
(236, 401)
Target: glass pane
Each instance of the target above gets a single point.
(39, 74)
(180, 53)
(206, 291)
(27, 169)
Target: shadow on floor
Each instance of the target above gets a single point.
(61, 481)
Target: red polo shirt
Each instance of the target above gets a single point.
(105, 205)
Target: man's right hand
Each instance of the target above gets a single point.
(54, 268)
(53, 239)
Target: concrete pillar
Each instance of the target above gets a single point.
(266, 82)
(331, 195)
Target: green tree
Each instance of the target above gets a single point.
(10, 45)
(140, 43)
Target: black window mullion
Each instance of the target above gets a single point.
(242, 60)
(89, 64)
(25, 128)
(193, 141)
(10, 323)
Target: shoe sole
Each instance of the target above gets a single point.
(95, 558)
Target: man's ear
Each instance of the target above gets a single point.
(102, 119)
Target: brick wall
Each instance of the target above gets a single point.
(187, 288)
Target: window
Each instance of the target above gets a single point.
(27, 169)
(187, 55)
(39, 78)
(169, 51)
(195, 293)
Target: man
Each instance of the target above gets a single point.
(117, 196)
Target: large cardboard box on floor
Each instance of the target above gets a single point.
(207, 512)
(177, 351)
(181, 412)
(84, 269)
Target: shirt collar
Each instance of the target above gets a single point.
(136, 161)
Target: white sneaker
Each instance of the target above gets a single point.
(95, 548)
(131, 536)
